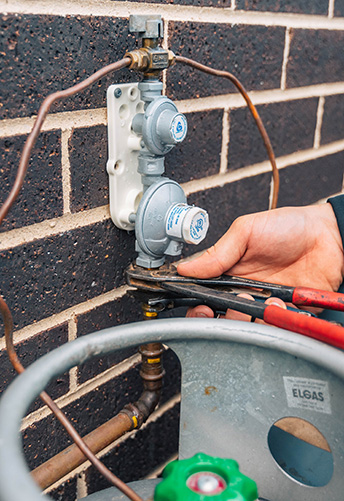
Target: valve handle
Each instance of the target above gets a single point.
(205, 477)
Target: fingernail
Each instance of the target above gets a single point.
(201, 315)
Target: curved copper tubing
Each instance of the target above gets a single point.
(84, 449)
(42, 113)
(70, 458)
(8, 322)
(254, 112)
(132, 416)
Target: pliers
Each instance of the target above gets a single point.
(221, 293)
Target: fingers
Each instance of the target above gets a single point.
(236, 315)
(203, 311)
(276, 301)
(206, 312)
(199, 312)
(223, 255)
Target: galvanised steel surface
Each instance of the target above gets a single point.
(238, 379)
(232, 393)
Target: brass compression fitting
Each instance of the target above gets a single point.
(149, 59)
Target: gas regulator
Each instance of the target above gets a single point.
(144, 126)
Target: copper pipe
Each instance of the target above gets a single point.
(132, 416)
(84, 449)
(152, 370)
(6, 314)
(254, 112)
(42, 113)
(70, 458)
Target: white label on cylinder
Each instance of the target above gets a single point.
(310, 394)
(175, 219)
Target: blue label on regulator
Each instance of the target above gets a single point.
(175, 218)
(179, 128)
(197, 227)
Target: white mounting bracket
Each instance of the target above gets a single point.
(125, 185)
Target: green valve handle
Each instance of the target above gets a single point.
(205, 478)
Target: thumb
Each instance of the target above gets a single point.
(223, 255)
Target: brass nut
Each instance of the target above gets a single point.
(139, 59)
(171, 58)
(150, 59)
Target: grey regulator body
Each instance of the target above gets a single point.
(163, 221)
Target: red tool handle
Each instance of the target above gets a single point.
(302, 324)
(322, 299)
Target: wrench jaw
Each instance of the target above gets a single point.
(158, 279)
(154, 287)
(164, 301)
(167, 290)
(136, 274)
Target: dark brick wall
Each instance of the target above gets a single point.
(89, 179)
(65, 491)
(50, 275)
(333, 119)
(44, 54)
(94, 409)
(338, 8)
(296, 6)
(198, 3)
(41, 196)
(290, 126)
(121, 311)
(86, 413)
(199, 155)
(316, 56)
(32, 349)
(227, 47)
(307, 183)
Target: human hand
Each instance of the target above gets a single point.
(295, 246)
